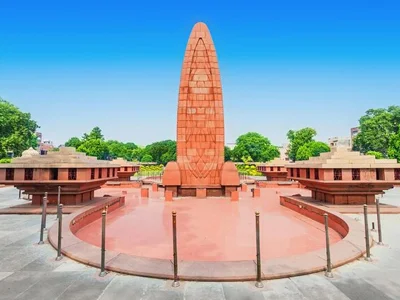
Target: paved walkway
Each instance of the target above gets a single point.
(29, 271)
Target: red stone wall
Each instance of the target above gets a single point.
(315, 213)
(93, 214)
(275, 184)
(200, 132)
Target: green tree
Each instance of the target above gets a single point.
(5, 160)
(117, 149)
(311, 149)
(73, 142)
(147, 158)
(227, 153)
(137, 154)
(95, 134)
(299, 138)
(377, 127)
(167, 157)
(130, 147)
(162, 152)
(377, 155)
(248, 169)
(95, 147)
(270, 153)
(17, 130)
(394, 146)
(255, 146)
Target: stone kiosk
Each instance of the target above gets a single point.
(126, 169)
(200, 168)
(77, 174)
(274, 170)
(346, 177)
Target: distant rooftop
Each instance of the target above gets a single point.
(66, 157)
(342, 157)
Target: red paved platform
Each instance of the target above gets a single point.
(343, 251)
(212, 229)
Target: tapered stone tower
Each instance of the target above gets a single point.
(200, 125)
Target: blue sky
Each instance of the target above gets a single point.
(284, 64)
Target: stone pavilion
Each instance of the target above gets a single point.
(345, 177)
(274, 170)
(126, 169)
(78, 175)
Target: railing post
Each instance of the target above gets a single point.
(259, 283)
(176, 280)
(43, 221)
(58, 200)
(103, 244)
(328, 272)
(45, 211)
(368, 253)
(378, 216)
(59, 255)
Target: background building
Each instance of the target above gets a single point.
(284, 152)
(340, 142)
(354, 131)
(45, 147)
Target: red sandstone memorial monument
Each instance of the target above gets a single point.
(346, 177)
(200, 168)
(294, 246)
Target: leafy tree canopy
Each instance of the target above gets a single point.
(17, 130)
(394, 146)
(117, 149)
(95, 147)
(95, 134)
(162, 152)
(377, 127)
(73, 142)
(377, 155)
(252, 146)
(147, 158)
(311, 149)
(299, 138)
(137, 154)
(227, 153)
(5, 160)
(248, 169)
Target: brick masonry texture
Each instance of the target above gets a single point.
(200, 126)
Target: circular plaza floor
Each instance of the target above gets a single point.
(212, 229)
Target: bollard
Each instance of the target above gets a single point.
(58, 200)
(59, 216)
(43, 222)
(328, 272)
(45, 210)
(176, 280)
(373, 226)
(19, 194)
(378, 216)
(259, 283)
(103, 244)
(368, 253)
